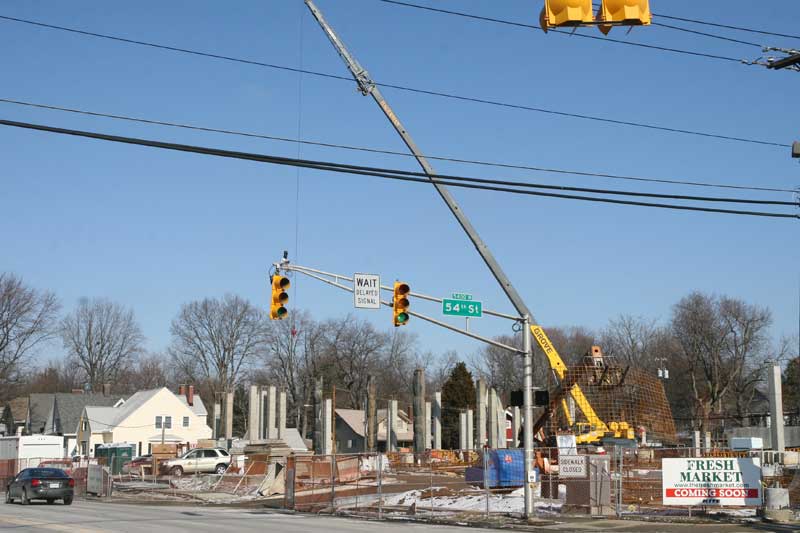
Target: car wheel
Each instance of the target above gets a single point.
(51, 501)
(67, 500)
(24, 500)
(220, 469)
(8, 496)
(176, 471)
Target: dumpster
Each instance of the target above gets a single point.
(504, 469)
(114, 455)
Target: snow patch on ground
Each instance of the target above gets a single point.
(512, 502)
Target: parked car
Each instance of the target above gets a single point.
(133, 465)
(199, 460)
(49, 484)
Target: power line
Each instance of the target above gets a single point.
(573, 34)
(728, 27)
(391, 152)
(440, 94)
(352, 169)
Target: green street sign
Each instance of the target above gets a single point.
(469, 308)
(461, 296)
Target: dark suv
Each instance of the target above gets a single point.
(49, 484)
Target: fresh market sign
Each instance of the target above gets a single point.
(711, 481)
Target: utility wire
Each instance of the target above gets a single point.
(350, 169)
(391, 152)
(571, 33)
(727, 26)
(412, 89)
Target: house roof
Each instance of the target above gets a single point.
(39, 406)
(19, 408)
(70, 406)
(105, 418)
(293, 439)
(355, 418)
(198, 406)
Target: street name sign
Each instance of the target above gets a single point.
(468, 308)
(367, 291)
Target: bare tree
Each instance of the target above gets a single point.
(149, 372)
(27, 317)
(103, 338)
(631, 340)
(213, 340)
(355, 348)
(718, 338)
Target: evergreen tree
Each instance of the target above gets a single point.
(458, 393)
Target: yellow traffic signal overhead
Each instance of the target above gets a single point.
(561, 13)
(558, 13)
(277, 309)
(400, 303)
(625, 13)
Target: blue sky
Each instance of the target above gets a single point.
(153, 229)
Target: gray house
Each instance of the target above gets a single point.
(59, 413)
(351, 430)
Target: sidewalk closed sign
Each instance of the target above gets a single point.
(711, 481)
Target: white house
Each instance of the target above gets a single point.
(146, 418)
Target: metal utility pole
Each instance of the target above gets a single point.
(368, 87)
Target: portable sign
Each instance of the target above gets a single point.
(572, 466)
(367, 291)
(711, 481)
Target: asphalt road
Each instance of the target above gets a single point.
(95, 517)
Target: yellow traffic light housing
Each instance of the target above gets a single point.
(277, 309)
(565, 13)
(624, 12)
(400, 303)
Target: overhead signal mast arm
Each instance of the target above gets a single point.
(367, 87)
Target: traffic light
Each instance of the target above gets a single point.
(624, 12)
(565, 13)
(400, 303)
(277, 310)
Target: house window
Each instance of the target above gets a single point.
(186, 421)
(349, 444)
(168, 422)
(158, 422)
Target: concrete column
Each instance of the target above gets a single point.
(428, 432)
(480, 402)
(437, 421)
(327, 430)
(492, 424)
(516, 423)
(254, 413)
(419, 410)
(502, 439)
(391, 426)
(462, 431)
(216, 416)
(470, 431)
(281, 415)
(707, 441)
(318, 408)
(228, 415)
(696, 444)
(776, 409)
(272, 401)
